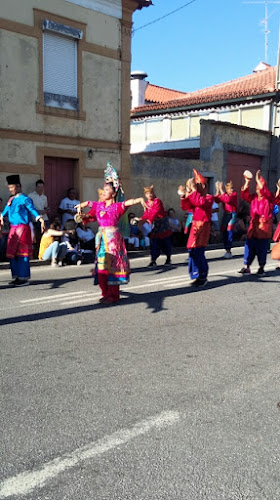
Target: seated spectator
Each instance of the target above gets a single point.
(73, 253)
(240, 228)
(145, 240)
(50, 247)
(4, 234)
(175, 224)
(86, 237)
(66, 207)
(214, 228)
(133, 240)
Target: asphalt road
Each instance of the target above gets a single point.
(170, 395)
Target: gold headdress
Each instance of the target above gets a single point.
(149, 189)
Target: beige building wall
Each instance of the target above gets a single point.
(99, 131)
(166, 174)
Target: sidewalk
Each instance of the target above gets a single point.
(132, 254)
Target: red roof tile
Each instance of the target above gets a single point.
(259, 83)
(157, 94)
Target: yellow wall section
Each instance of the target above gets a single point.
(252, 117)
(229, 116)
(154, 131)
(179, 128)
(195, 126)
(137, 133)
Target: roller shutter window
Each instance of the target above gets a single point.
(60, 71)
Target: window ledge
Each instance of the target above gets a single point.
(59, 112)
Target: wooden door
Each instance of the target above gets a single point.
(59, 176)
(237, 163)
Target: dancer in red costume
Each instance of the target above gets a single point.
(260, 226)
(201, 203)
(160, 236)
(228, 199)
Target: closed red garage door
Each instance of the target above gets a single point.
(237, 163)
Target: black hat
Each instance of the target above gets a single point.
(13, 179)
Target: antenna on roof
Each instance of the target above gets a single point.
(265, 23)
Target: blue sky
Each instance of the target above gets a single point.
(207, 42)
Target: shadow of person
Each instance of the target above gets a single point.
(154, 300)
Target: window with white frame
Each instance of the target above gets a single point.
(60, 65)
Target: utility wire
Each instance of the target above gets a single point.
(163, 17)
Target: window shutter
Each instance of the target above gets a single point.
(59, 65)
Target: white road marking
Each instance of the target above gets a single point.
(27, 481)
(49, 297)
(85, 296)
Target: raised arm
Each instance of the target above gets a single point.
(135, 201)
(82, 205)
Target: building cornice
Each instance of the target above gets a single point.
(111, 8)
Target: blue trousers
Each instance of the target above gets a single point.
(158, 245)
(255, 248)
(20, 268)
(227, 229)
(56, 250)
(197, 263)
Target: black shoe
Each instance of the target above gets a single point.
(199, 282)
(13, 282)
(167, 262)
(21, 282)
(244, 270)
(260, 271)
(152, 264)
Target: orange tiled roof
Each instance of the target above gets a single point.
(259, 83)
(157, 94)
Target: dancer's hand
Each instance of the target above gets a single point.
(43, 225)
(144, 204)
(181, 191)
(78, 208)
(1, 221)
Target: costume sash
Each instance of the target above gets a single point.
(19, 242)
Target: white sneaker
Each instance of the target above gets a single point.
(228, 255)
(79, 262)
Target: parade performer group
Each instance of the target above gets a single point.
(112, 266)
(20, 210)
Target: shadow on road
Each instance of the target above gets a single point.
(153, 300)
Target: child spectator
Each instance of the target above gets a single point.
(175, 224)
(50, 246)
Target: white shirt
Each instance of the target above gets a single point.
(67, 204)
(84, 234)
(40, 202)
(215, 216)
